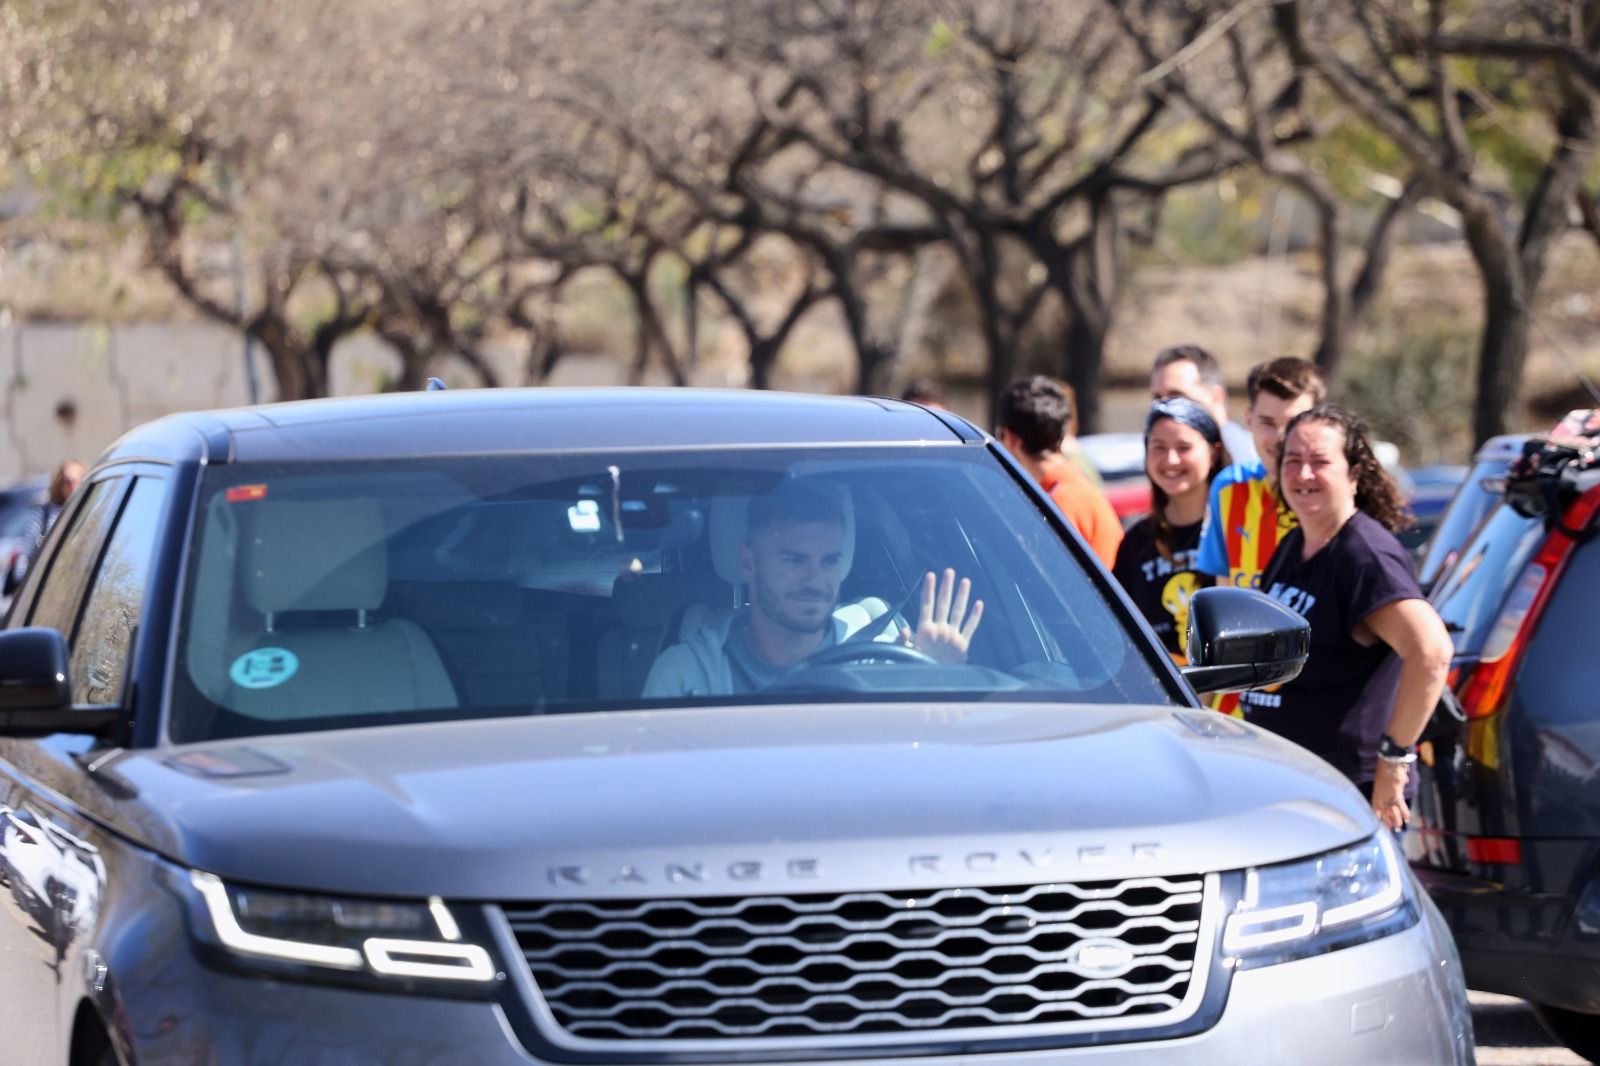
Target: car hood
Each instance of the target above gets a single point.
(737, 800)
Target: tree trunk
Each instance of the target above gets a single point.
(763, 355)
(983, 270)
(1085, 357)
(300, 370)
(1503, 348)
(872, 358)
(1086, 275)
(413, 361)
(1335, 304)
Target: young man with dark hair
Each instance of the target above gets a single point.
(1190, 371)
(1035, 415)
(1244, 521)
(1244, 517)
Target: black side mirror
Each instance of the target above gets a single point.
(1240, 639)
(35, 692)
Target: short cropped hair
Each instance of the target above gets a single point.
(793, 502)
(1210, 370)
(1286, 378)
(1039, 411)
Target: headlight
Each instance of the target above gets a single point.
(371, 939)
(1330, 901)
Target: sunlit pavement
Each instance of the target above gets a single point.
(1508, 1035)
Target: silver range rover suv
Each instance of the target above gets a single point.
(657, 727)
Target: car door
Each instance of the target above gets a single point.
(1460, 790)
(91, 587)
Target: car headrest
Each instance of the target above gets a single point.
(324, 555)
(652, 601)
(730, 518)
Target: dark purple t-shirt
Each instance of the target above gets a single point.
(1341, 702)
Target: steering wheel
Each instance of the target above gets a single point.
(864, 650)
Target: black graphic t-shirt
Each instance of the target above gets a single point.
(1161, 587)
(1341, 702)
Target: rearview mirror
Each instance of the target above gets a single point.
(1240, 639)
(35, 691)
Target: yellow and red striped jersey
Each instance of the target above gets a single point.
(1243, 525)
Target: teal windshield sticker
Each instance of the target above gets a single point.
(264, 668)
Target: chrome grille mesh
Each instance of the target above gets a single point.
(1102, 953)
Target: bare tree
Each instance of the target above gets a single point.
(866, 131)
(1229, 70)
(297, 135)
(1429, 77)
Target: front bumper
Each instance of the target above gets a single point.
(1396, 1000)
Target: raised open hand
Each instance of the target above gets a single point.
(944, 626)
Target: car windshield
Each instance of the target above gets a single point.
(331, 595)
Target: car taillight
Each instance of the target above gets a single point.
(1502, 652)
(1500, 851)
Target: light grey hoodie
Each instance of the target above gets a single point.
(699, 666)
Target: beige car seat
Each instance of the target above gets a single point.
(327, 557)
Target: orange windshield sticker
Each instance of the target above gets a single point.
(240, 493)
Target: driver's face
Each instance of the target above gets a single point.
(793, 570)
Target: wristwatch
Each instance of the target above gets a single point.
(1391, 752)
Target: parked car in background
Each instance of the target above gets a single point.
(1507, 828)
(1119, 460)
(53, 875)
(1447, 476)
(1429, 492)
(360, 704)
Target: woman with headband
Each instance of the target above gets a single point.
(1183, 451)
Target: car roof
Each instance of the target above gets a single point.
(515, 421)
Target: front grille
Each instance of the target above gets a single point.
(1109, 954)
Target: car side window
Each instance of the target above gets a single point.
(1561, 672)
(1469, 597)
(105, 633)
(59, 597)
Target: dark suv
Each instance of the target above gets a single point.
(431, 730)
(1508, 829)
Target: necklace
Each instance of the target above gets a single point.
(1309, 550)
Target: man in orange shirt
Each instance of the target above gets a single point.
(1035, 414)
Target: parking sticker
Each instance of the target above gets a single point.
(264, 668)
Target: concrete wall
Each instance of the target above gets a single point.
(120, 377)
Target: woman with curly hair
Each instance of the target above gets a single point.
(1379, 652)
